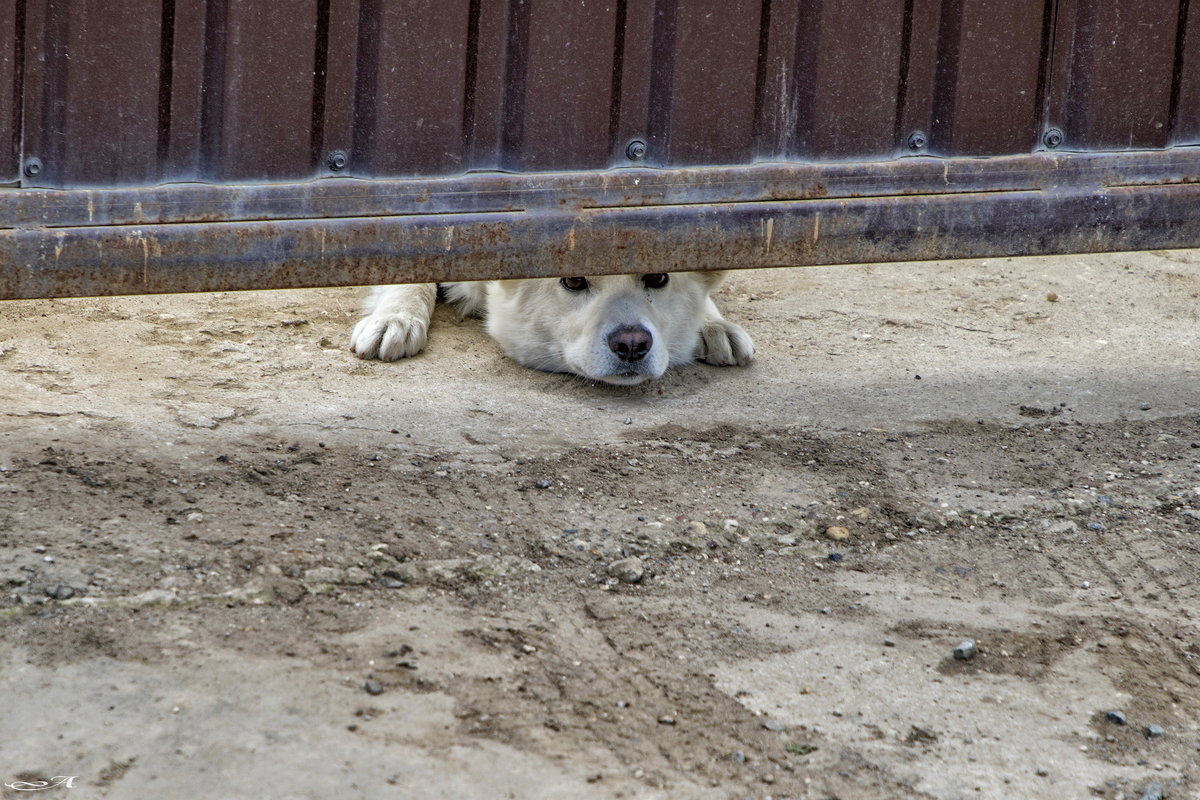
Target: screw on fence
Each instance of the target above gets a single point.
(337, 161)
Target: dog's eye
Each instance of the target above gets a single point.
(574, 284)
(655, 280)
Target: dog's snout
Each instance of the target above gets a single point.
(630, 342)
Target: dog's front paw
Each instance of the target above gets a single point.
(724, 344)
(388, 337)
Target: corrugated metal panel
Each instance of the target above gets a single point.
(1115, 63)
(704, 65)
(558, 80)
(819, 99)
(11, 57)
(1185, 90)
(182, 89)
(409, 102)
(91, 108)
(990, 56)
(254, 91)
(257, 119)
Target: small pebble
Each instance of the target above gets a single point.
(835, 557)
(965, 651)
(774, 725)
(373, 687)
(1153, 792)
(1096, 526)
(739, 756)
(1155, 731)
(627, 570)
(837, 533)
(325, 575)
(60, 592)
(544, 484)
(888, 643)
(666, 720)
(1115, 717)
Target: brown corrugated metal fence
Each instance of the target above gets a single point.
(103, 93)
(100, 94)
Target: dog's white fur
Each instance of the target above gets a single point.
(541, 323)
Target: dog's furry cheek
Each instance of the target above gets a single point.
(685, 349)
(682, 327)
(528, 345)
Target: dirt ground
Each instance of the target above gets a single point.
(238, 562)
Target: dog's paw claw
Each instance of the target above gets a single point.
(388, 337)
(723, 344)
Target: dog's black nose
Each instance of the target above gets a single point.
(630, 342)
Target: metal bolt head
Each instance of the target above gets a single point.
(635, 150)
(33, 167)
(338, 160)
(917, 140)
(1053, 138)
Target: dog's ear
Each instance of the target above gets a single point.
(711, 279)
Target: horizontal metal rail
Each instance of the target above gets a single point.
(191, 237)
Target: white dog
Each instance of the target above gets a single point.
(620, 329)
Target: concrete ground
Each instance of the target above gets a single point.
(238, 562)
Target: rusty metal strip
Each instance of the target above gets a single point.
(539, 242)
(495, 192)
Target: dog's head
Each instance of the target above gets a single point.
(620, 329)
